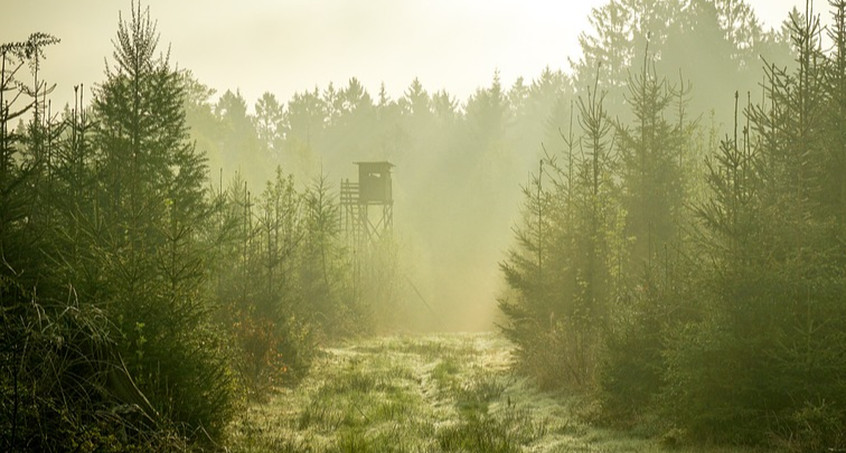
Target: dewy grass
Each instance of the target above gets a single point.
(439, 393)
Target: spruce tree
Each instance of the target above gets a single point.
(652, 152)
(562, 273)
(150, 206)
(761, 362)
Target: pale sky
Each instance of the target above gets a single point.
(284, 46)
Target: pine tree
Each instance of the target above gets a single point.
(269, 114)
(562, 273)
(150, 207)
(761, 361)
(326, 287)
(652, 152)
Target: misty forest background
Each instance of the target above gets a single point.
(169, 255)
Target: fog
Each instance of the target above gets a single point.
(457, 189)
(293, 45)
(354, 225)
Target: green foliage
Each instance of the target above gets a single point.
(722, 323)
(323, 267)
(282, 279)
(773, 325)
(56, 349)
(150, 204)
(736, 39)
(55, 362)
(563, 271)
(651, 152)
(104, 265)
(137, 305)
(254, 293)
(654, 279)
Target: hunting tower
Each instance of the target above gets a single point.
(367, 206)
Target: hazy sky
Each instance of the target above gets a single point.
(284, 46)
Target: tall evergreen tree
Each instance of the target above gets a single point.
(652, 154)
(563, 271)
(269, 114)
(150, 207)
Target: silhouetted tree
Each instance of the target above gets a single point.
(269, 115)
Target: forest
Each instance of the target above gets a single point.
(652, 244)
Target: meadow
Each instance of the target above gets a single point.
(431, 393)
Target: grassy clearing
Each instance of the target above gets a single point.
(449, 393)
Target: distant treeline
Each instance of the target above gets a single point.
(459, 162)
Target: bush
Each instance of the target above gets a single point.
(816, 427)
(56, 363)
(187, 380)
(630, 373)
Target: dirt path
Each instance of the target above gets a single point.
(421, 394)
